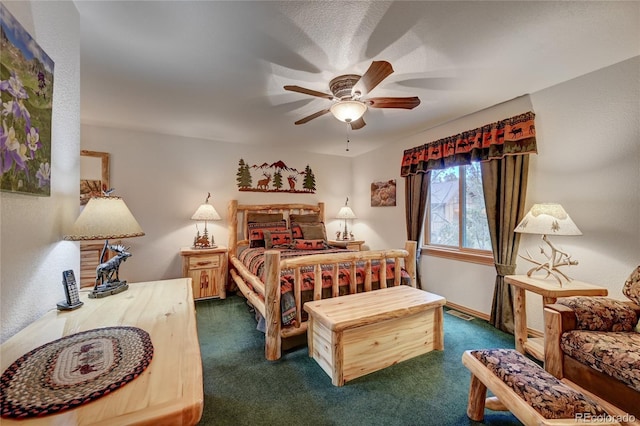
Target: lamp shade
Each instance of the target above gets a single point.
(348, 111)
(104, 218)
(206, 212)
(547, 219)
(346, 213)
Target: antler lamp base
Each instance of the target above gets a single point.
(555, 259)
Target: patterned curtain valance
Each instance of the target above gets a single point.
(512, 136)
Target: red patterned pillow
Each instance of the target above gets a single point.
(275, 239)
(309, 245)
(296, 231)
(256, 231)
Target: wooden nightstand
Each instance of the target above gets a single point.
(349, 244)
(207, 269)
(550, 291)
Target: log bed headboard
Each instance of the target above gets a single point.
(264, 293)
(237, 216)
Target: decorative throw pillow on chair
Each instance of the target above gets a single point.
(631, 289)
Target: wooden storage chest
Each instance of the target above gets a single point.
(357, 334)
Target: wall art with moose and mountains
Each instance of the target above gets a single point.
(275, 177)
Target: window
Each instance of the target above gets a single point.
(456, 217)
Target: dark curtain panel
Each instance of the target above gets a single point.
(504, 182)
(416, 189)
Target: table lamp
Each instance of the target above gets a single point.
(346, 213)
(105, 218)
(549, 219)
(204, 213)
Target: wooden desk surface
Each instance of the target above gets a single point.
(551, 289)
(369, 307)
(169, 391)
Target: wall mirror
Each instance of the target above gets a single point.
(94, 174)
(94, 178)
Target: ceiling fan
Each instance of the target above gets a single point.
(348, 93)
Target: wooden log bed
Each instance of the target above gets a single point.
(265, 296)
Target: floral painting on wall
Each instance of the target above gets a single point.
(383, 193)
(26, 95)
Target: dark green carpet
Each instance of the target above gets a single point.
(242, 388)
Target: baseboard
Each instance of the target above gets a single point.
(481, 315)
(468, 311)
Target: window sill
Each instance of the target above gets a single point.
(462, 256)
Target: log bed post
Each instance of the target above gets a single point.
(273, 318)
(232, 217)
(410, 263)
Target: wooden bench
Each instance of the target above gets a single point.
(530, 393)
(354, 335)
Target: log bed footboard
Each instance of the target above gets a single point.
(265, 296)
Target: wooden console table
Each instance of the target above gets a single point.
(550, 291)
(169, 391)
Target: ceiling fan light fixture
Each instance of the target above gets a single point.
(348, 110)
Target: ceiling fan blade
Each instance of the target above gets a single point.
(312, 116)
(358, 124)
(406, 103)
(308, 92)
(378, 71)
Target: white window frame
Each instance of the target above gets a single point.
(460, 253)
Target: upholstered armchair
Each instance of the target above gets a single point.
(595, 343)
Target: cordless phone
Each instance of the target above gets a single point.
(70, 291)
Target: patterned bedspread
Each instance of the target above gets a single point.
(253, 259)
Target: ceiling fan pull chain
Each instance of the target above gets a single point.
(348, 126)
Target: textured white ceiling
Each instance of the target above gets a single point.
(216, 70)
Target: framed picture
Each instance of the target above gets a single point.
(26, 95)
(94, 174)
(383, 194)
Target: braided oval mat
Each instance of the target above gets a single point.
(73, 370)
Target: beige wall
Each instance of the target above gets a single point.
(163, 179)
(32, 253)
(589, 144)
(589, 154)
